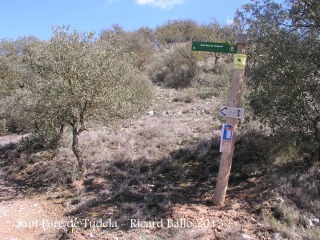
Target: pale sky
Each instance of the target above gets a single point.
(35, 17)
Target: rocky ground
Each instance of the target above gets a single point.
(151, 178)
(25, 215)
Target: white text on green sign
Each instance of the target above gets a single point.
(214, 47)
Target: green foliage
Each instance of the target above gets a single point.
(183, 31)
(214, 81)
(291, 223)
(177, 31)
(175, 68)
(305, 14)
(285, 75)
(14, 71)
(15, 79)
(254, 148)
(138, 44)
(77, 79)
(85, 78)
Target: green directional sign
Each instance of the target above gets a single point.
(214, 47)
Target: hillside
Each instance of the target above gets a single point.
(116, 135)
(148, 178)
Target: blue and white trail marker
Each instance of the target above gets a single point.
(226, 138)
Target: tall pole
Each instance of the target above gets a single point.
(234, 101)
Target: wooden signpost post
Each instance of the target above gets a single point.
(230, 128)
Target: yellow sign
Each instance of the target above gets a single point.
(240, 61)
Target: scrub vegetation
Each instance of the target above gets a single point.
(123, 125)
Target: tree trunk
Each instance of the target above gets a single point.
(76, 149)
(57, 141)
(216, 58)
(60, 136)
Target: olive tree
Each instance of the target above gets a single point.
(305, 14)
(15, 78)
(285, 78)
(14, 71)
(176, 31)
(82, 78)
(140, 44)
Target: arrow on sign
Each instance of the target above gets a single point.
(232, 112)
(223, 111)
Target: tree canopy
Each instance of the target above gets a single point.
(78, 78)
(285, 81)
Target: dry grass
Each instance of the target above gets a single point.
(291, 217)
(152, 136)
(144, 167)
(291, 223)
(145, 164)
(300, 183)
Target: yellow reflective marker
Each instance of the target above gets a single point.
(240, 61)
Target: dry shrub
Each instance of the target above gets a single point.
(301, 183)
(175, 68)
(3, 127)
(187, 96)
(287, 214)
(40, 170)
(291, 222)
(297, 183)
(212, 85)
(51, 172)
(254, 148)
(185, 234)
(36, 166)
(59, 173)
(213, 80)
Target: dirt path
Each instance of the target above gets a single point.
(29, 219)
(187, 208)
(21, 217)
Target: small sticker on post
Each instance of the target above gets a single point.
(226, 138)
(240, 61)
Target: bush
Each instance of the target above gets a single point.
(213, 80)
(80, 79)
(14, 114)
(176, 68)
(212, 85)
(285, 72)
(291, 222)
